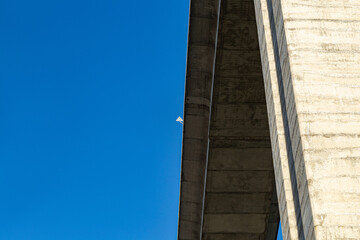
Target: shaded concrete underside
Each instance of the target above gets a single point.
(231, 154)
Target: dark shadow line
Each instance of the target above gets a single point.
(289, 151)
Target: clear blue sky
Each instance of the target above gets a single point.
(279, 236)
(89, 94)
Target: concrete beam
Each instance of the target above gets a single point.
(199, 75)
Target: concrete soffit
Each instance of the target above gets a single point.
(201, 55)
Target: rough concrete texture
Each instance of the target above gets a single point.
(318, 53)
(240, 176)
(275, 100)
(294, 68)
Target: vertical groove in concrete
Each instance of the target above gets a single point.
(284, 111)
(291, 127)
(281, 147)
(211, 98)
(287, 131)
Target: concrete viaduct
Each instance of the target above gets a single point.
(271, 120)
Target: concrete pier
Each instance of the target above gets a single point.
(271, 120)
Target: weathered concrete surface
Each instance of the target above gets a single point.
(280, 142)
(232, 154)
(200, 61)
(317, 49)
(240, 175)
(309, 75)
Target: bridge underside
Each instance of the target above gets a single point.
(226, 133)
(271, 99)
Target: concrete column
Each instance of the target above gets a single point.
(311, 49)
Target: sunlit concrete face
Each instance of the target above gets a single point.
(316, 51)
(271, 100)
